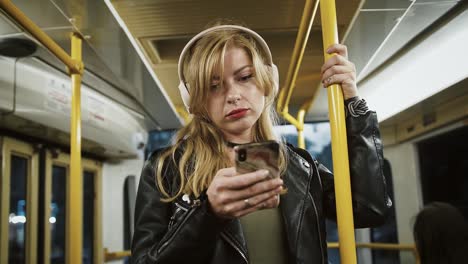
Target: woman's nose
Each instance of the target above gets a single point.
(233, 98)
(233, 93)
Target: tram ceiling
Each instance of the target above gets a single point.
(162, 28)
(379, 29)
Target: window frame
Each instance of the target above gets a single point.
(11, 147)
(96, 167)
(63, 159)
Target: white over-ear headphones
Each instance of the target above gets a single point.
(182, 85)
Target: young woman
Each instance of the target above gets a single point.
(192, 206)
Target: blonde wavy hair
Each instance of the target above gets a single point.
(206, 59)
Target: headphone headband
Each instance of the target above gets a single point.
(183, 88)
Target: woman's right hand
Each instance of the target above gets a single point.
(233, 195)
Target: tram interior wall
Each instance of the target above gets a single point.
(407, 193)
(114, 175)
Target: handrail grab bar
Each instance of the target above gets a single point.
(116, 255)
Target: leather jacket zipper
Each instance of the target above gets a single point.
(235, 247)
(169, 240)
(177, 210)
(180, 207)
(318, 226)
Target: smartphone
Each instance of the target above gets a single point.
(256, 156)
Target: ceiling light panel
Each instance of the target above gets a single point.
(418, 18)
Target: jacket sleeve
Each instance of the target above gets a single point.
(190, 238)
(369, 192)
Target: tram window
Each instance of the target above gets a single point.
(443, 162)
(317, 140)
(159, 139)
(57, 214)
(88, 217)
(17, 212)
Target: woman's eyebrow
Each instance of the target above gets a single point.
(241, 68)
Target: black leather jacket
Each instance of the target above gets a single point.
(185, 231)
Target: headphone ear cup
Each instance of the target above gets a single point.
(275, 73)
(185, 95)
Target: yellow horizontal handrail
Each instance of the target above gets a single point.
(110, 256)
(74, 66)
(383, 246)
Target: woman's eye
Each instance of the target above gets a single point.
(214, 86)
(246, 77)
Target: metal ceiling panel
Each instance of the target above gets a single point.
(6, 27)
(387, 4)
(44, 13)
(418, 18)
(431, 2)
(368, 32)
(7, 89)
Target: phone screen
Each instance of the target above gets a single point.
(257, 156)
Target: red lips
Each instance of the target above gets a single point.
(237, 113)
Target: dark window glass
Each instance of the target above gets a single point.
(88, 217)
(443, 162)
(57, 214)
(129, 209)
(17, 214)
(159, 139)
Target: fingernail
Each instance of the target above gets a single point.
(265, 172)
(328, 50)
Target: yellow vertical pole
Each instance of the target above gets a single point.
(300, 138)
(75, 190)
(339, 143)
(301, 122)
(300, 129)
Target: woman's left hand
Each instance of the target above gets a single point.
(339, 70)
